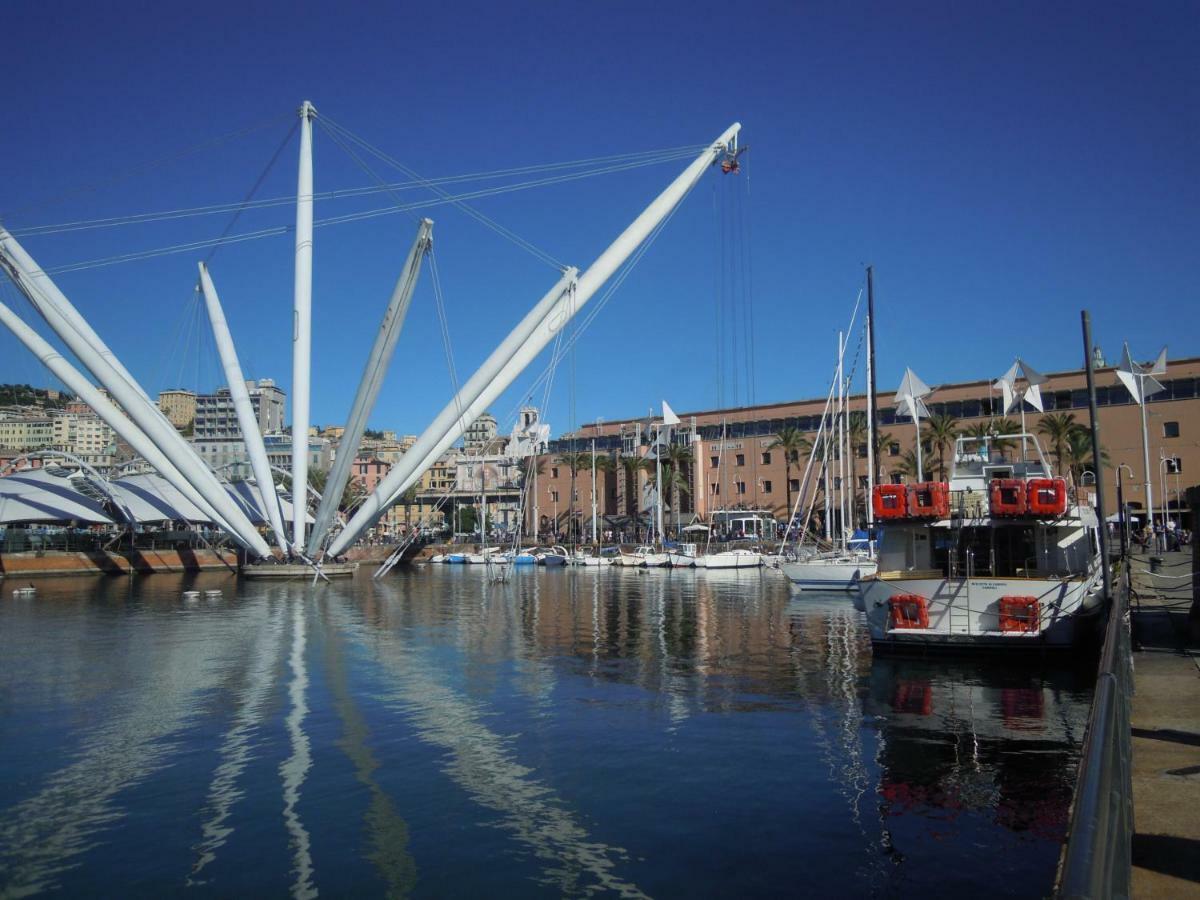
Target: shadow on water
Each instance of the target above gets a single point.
(568, 732)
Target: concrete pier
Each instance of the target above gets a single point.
(1166, 732)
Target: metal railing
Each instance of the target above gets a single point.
(1097, 857)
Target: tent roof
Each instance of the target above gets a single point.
(49, 495)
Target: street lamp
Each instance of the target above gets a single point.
(554, 498)
(1123, 520)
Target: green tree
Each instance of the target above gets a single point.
(1057, 429)
(793, 444)
(575, 462)
(1079, 454)
(908, 465)
(630, 467)
(939, 435)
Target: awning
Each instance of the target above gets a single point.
(49, 495)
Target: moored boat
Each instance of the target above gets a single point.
(1000, 556)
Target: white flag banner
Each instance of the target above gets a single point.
(669, 417)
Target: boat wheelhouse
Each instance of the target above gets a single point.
(1003, 554)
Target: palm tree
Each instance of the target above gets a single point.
(1057, 428)
(631, 466)
(793, 443)
(1080, 456)
(1000, 427)
(679, 462)
(908, 465)
(574, 462)
(939, 434)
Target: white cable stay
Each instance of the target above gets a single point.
(641, 158)
(278, 230)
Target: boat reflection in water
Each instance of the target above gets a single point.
(570, 731)
(976, 768)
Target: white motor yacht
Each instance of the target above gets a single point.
(1000, 556)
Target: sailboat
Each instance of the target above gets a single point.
(596, 557)
(725, 559)
(841, 568)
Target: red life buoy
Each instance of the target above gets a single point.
(929, 500)
(1020, 614)
(1047, 496)
(890, 501)
(908, 611)
(1007, 497)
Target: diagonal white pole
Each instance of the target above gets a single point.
(78, 384)
(544, 331)
(302, 327)
(247, 420)
(133, 401)
(370, 385)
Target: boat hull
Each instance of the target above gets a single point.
(964, 613)
(820, 575)
(733, 559)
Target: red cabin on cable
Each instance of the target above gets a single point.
(908, 611)
(890, 501)
(929, 500)
(1007, 497)
(1047, 496)
(1020, 614)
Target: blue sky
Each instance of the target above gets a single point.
(1001, 165)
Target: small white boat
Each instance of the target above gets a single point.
(732, 559)
(837, 572)
(644, 557)
(438, 558)
(683, 556)
(480, 558)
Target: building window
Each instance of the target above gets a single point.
(740, 486)
(894, 450)
(897, 478)
(714, 461)
(714, 490)
(740, 459)
(1174, 465)
(1170, 429)
(554, 496)
(793, 484)
(766, 458)
(766, 486)
(864, 482)
(554, 471)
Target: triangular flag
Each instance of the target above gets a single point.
(1160, 364)
(669, 417)
(1138, 381)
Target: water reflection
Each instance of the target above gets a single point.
(564, 733)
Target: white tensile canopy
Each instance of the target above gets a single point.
(48, 495)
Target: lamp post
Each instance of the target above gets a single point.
(1123, 520)
(554, 499)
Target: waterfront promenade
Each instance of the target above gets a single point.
(1166, 732)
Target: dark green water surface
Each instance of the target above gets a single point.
(569, 732)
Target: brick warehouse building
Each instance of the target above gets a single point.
(752, 476)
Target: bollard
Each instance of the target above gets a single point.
(1155, 564)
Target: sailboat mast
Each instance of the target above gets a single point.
(871, 423)
(594, 537)
(302, 326)
(658, 485)
(841, 437)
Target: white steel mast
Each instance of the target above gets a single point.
(247, 420)
(302, 327)
(595, 538)
(841, 437)
(370, 384)
(52, 295)
(134, 402)
(81, 387)
(498, 375)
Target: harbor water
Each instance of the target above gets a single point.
(566, 732)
